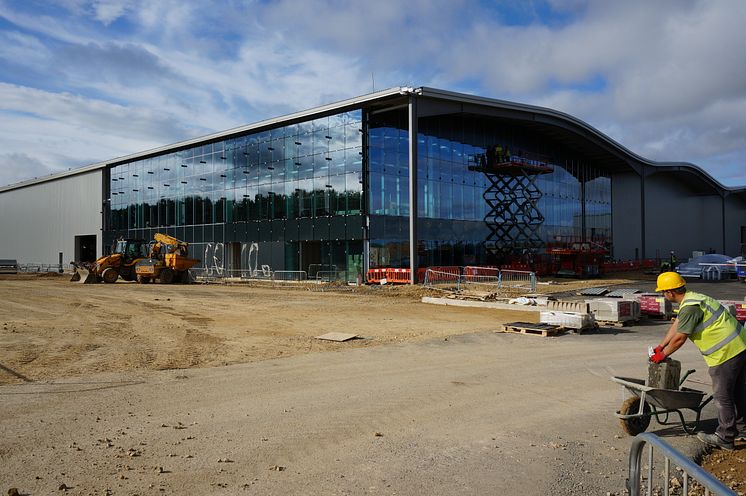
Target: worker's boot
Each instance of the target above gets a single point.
(741, 436)
(715, 441)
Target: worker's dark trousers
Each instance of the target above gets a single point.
(729, 390)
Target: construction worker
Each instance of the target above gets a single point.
(497, 154)
(722, 341)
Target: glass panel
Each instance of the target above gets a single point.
(305, 170)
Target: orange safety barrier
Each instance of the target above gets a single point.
(517, 266)
(471, 270)
(397, 276)
(375, 275)
(628, 265)
(393, 276)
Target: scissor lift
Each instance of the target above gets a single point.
(514, 218)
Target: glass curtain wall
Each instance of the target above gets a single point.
(576, 204)
(291, 196)
(576, 201)
(388, 186)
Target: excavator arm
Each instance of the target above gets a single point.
(165, 239)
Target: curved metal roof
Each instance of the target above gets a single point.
(566, 127)
(553, 123)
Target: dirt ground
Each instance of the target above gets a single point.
(52, 330)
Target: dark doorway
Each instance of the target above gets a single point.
(310, 257)
(85, 248)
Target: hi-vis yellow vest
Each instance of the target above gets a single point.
(719, 336)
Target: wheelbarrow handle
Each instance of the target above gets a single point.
(686, 374)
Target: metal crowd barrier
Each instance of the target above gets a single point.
(34, 267)
(689, 469)
(209, 275)
(489, 277)
(327, 275)
(518, 279)
(221, 275)
(439, 279)
(289, 275)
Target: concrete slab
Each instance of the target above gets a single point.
(481, 304)
(337, 336)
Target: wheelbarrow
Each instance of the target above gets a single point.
(646, 402)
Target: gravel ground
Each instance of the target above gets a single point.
(105, 394)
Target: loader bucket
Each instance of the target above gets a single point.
(83, 276)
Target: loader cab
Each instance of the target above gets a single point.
(130, 249)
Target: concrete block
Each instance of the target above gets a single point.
(614, 309)
(655, 304)
(570, 320)
(664, 375)
(568, 306)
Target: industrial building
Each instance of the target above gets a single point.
(405, 177)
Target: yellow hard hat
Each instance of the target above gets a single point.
(669, 280)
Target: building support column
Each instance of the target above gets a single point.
(642, 213)
(413, 256)
(722, 199)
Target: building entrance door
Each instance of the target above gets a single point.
(310, 257)
(85, 248)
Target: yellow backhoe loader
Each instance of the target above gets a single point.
(126, 253)
(168, 261)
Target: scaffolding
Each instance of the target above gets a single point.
(513, 218)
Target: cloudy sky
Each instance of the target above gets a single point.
(83, 81)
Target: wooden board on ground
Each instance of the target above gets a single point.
(337, 336)
(544, 330)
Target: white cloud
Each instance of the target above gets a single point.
(665, 79)
(17, 167)
(21, 49)
(108, 11)
(59, 131)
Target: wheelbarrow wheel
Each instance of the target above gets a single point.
(636, 425)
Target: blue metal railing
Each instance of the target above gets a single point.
(689, 468)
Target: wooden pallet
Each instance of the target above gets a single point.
(615, 323)
(659, 317)
(544, 330)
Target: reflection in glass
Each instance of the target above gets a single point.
(309, 170)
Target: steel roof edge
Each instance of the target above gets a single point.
(523, 107)
(377, 95)
(397, 90)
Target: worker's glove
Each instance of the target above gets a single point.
(658, 349)
(658, 356)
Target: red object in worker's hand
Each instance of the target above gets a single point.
(658, 349)
(658, 356)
